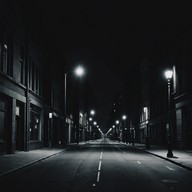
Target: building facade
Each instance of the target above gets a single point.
(176, 55)
(28, 92)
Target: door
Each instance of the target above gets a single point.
(19, 134)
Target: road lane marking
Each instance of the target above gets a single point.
(171, 169)
(101, 155)
(169, 181)
(99, 169)
(98, 176)
(138, 162)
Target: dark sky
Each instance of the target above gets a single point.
(110, 37)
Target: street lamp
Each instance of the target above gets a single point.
(50, 129)
(92, 112)
(124, 117)
(79, 71)
(117, 123)
(118, 131)
(168, 75)
(90, 127)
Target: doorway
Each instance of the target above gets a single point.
(19, 129)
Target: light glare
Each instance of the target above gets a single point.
(92, 112)
(124, 117)
(79, 71)
(168, 74)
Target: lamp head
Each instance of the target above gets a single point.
(124, 117)
(79, 71)
(92, 112)
(168, 74)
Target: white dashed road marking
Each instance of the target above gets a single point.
(101, 155)
(98, 176)
(99, 168)
(171, 169)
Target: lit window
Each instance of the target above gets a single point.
(5, 46)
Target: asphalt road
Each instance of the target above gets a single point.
(100, 166)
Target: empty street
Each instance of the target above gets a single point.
(101, 165)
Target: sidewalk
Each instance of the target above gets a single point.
(12, 162)
(181, 158)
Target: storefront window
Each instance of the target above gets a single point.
(35, 128)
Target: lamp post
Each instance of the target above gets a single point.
(50, 130)
(94, 130)
(118, 131)
(146, 118)
(124, 117)
(92, 113)
(168, 75)
(79, 71)
(90, 128)
(114, 132)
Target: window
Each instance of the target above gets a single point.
(174, 80)
(35, 128)
(30, 73)
(40, 82)
(21, 64)
(5, 57)
(33, 76)
(2, 125)
(37, 80)
(5, 54)
(1, 52)
(2, 120)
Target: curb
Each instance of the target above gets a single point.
(37, 161)
(174, 162)
(29, 164)
(167, 159)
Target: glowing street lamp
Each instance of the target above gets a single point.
(79, 72)
(92, 112)
(169, 75)
(117, 131)
(124, 117)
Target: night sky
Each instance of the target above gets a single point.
(111, 37)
